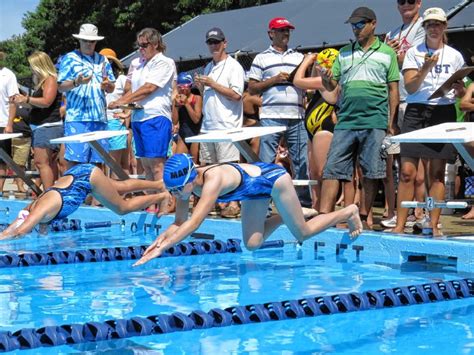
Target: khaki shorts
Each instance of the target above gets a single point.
(21, 150)
(212, 153)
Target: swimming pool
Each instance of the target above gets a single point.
(37, 296)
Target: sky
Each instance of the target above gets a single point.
(11, 14)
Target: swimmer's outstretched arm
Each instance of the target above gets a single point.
(182, 227)
(19, 227)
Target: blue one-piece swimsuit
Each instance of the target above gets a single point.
(253, 187)
(75, 194)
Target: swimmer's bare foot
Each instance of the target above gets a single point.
(354, 222)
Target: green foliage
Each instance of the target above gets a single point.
(16, 51)
(50, 27)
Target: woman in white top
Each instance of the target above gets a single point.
(425, 68)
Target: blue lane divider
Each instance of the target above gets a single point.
(117, 253)
(29, 338)
(195, 247)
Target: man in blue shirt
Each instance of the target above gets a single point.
(85, 76)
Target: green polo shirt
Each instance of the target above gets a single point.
(363, 77)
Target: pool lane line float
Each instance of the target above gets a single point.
(30, 338)
(193, 247)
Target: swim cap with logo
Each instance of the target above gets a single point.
(178, 171)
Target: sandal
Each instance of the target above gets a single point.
(230, 212)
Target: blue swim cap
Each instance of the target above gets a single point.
(178, 171)
(184, 79)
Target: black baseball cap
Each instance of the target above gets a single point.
(216, 34)
(361, 14)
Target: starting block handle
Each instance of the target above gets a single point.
(443, 204)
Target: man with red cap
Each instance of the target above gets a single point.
(282, 101)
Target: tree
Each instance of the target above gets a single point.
(50, 27)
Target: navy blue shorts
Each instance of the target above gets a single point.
(152, 137)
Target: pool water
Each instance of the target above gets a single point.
(37, 296)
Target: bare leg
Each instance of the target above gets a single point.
(320, 148)
(436, 173)
(329, 189)
(389, 188)
(255, 227)
(420, 188)
(288, 206)
(42, 163)
(406, 191)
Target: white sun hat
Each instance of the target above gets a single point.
(88, 32)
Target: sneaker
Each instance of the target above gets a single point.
(419, 224)
(389, 223)
(411, 220)
(309, 213)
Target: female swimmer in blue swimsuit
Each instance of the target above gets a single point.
(71, 190)
(252, 184)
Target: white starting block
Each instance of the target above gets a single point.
(14, 166)
(92, 138)
(238, 137)
(456, 133)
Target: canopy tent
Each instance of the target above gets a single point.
(319, 23)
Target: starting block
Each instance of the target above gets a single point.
(238, 137)
(14, 166)
(92, 138)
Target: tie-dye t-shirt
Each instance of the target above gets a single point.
(85, 102)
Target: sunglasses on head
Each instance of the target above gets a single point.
(403, 2)
(359, 25)
(213, 41)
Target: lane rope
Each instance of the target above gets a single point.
(29, 338)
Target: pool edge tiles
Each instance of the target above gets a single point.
(398, 248)
(391, 248)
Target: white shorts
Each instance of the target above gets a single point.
(212, 153)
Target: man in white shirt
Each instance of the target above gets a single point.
(222, 86)
(8, 89)
(283, 103)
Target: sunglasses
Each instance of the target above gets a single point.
(358, 25)
(403, 2)
(87, 41)
(213, 41)
(143, 45)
